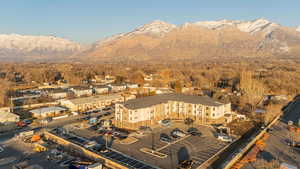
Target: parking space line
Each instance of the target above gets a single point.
(159, 149)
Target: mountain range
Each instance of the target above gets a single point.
(159, 40)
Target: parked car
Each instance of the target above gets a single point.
(177, 133)
(165, 122)
(225, 138)
(119, 135)
(27, 121)
(165, 138)
(100, 148)
(194, 131)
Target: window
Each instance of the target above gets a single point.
(213, 114)
(207, 108)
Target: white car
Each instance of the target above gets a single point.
(225, 138)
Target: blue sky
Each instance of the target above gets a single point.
(86, 21)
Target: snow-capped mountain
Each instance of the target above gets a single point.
(14, 45)
(157, 27)
(160, 40)
(251, 27)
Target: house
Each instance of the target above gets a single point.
(82, 90)
(163, 91)
(132, 85)
(117, 87)
(93, 102)
(48, 112)
(149, 110)
(56, 93)
(5, 109)
(148, 77)
(100, 89)
(7, 117)
(107, 79)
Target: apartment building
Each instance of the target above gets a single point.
(150, 110)
(93, 102)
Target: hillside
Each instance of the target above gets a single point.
(199, 40)
(158, 40)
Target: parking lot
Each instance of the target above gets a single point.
(16, 152)
(196, 148)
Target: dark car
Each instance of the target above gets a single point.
(177, 133)
(100, 148)
(165, 138)
(194, 131)
(95, 127)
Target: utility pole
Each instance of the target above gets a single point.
(153, 148)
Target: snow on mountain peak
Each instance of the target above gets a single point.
(156, 27)
(14, 44)
(244, 26)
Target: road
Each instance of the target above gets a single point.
(276, 146)
(55, 123)
(292, 112)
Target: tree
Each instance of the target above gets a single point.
(5, 86)
(253, 90)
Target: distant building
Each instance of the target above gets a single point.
(93, 102)
(163, 90)
(48, 112)
(56, 93)
(100, 89)
(117, 87)
(149, 110)
(148, 77)
(132, 85)
(82, 90)
(7, 117)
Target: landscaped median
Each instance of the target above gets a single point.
(129, 140)
(153, 152)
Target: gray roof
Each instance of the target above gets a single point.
(47, 110)
(164, 98)
(94, 99)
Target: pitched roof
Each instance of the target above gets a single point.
(164, 98)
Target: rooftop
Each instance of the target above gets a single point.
(93, 99)
(5, 115)
(47, 109)
(80, 87)
(164, 98)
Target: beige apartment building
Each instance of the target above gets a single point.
(93, 102)
(150, 110)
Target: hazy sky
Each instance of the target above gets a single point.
(86, 21)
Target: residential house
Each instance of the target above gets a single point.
(56, 93)
(100, 89)
(82, 90)
(163, 90)
(150, 110)
(7, 117)
(132, 85)
(117, 87)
